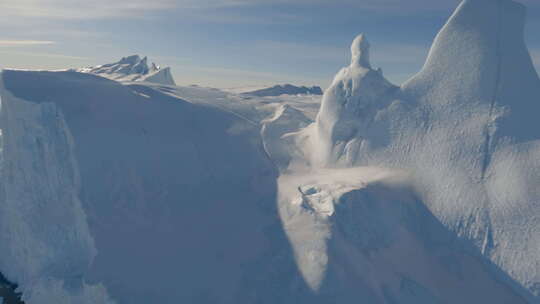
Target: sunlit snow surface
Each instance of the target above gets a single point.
(131, 191)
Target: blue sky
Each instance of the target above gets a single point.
(229, 43)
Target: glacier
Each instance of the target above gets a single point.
(120, 187)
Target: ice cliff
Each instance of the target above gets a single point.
(46, 245)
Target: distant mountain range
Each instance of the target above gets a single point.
(132, 68)
(286, 89)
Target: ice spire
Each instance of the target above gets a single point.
(360, 52)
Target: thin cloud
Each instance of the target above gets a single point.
(69, 9)
(46, 55)
(370, 5)
(11, 43)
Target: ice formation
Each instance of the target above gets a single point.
(465, 126)
(356, 95)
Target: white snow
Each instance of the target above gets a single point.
(139, 191)
(466, 127)
(44, 236)
(356, 95)
(179, 196)
(361, 233)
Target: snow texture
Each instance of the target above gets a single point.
(362, 233)
(465, 126)
(44, 235)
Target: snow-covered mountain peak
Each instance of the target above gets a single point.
(360, 52)
(132, 68)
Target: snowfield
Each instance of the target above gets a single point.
(120, 187)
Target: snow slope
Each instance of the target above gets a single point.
(362, 233)
(132, 68)
(179, 197)
(465, 127)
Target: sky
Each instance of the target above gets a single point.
(230, 43)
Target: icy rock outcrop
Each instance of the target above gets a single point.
(465, 126)
(44, 236)
(132, 68)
